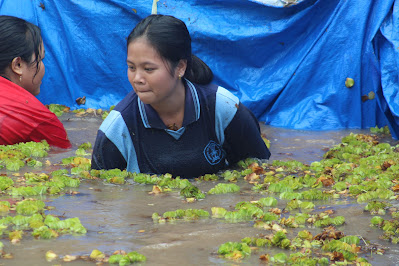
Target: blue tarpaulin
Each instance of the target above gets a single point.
(287, 64)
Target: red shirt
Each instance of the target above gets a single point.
(24, 118)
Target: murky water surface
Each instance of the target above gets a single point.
(118, 217)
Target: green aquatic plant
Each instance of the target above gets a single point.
(246, 162)
(298, 204)
(168, 181)
(82, 152)
(218, 212)
(390, 228)
(315, 194)
(246, 211)
(268, 202)
(350, 240)
(142, 178)
(348, 251)
(28, 191)
(222, 188)
(77, 161)
(43, 228)
(383, 130)
(4, 207)
(115, 176)
(290, 165)
(279, 187)
(67, 226)
(378, 194)
(191, 191)
(5, 183)
(13, 164)
(280, 239)
(327, 221)
(305, 234)
(85, 146)
(106, 113)
(279, 258)
(232, 176)
(256, 242)
(57, 109)
(34, 178)
(180, 214)
(306, 258)
(208, 177)
(18, 220)
(291, 195)
(126, 259)
(30, 206)
(377, 207)
(44, 232)
(234, 250)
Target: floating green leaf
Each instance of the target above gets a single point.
(224, 188)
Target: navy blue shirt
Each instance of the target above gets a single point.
(217, 131)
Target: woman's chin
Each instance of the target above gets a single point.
(36, 92)
(145, 97)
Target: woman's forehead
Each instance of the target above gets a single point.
(141, 49)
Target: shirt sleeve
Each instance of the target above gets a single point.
(106, 155)
(243, 139)
(53, 132)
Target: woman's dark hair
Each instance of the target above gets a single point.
(18, 38)
(170, 37)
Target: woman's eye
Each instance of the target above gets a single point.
(149, 69)
(131, 67)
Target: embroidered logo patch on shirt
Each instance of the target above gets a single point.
(213, 153)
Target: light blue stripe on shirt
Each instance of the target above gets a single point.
(143, 114)
(194, 95)
(120, 137)
(225, 110)
(176, 134)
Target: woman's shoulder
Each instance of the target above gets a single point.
(218, 91)
(21, 101)
(116, 118)
(130, 101)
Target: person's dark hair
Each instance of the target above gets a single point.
(19, 38)
(170, 37)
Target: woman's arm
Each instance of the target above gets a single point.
(243, 138)
(106, 155)
(53, 132)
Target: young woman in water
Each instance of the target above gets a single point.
(24, 118)
(174, 121)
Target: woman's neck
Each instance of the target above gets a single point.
(171, 111)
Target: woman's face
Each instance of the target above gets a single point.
(31, 80)
(149, 74)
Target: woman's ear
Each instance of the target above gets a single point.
(16, 66)
(181, 67)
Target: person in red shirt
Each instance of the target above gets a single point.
(23, 117)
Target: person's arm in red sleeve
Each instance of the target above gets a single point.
(53, 132)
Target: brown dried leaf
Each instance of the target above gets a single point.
(81, 100)
(326, 181)
(155, 190)
(251, 177)
(337, 256)
(395, 188)
(119, 252)
(68, 258)
(264, 258)
(275, 211)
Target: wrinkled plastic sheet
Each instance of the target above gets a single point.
(287, 63)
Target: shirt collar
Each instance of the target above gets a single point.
(192, 109)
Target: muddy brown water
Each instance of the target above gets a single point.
(118, 217)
